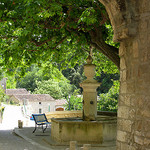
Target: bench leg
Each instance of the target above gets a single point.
(34, 129)
(42, 128)
(45, 128)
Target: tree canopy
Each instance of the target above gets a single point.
(52, 30)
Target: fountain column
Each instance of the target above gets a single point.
(89, 92)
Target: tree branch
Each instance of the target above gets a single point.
(111, 52)
(38, 44)
(60, 42)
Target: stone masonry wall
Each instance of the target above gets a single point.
(134, 104)
(132, 29)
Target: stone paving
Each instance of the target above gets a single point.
(44, 140)
(10, 141)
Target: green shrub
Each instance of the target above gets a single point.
(56, 89)
(74, 102)
(109, 101)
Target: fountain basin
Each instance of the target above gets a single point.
(75, 129)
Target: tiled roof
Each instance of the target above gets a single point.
(16, 91)
(34, 97)
(60, 102)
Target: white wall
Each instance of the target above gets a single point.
(44, 106)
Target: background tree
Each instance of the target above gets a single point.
(35, 73)
(57, 90)
(109, 101)
(3, 98)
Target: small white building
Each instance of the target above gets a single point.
(35, 103)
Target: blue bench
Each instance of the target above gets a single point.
(40, 120)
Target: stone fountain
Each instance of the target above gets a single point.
(93, 127)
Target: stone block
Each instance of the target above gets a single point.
(144, 57)
(148, 134)
(146, 124)
(123, 75)
(144, 6)
(20, 124)
(146, 113)
(123, 112)
(125, 125)
(131, 87)
(143, 68)
(132, 113)
(86, 146)
(118, 145)
(73, 145)
(123, 87)
(122, 49)
(122, 63)
(124, 100)
(138, 133)
(143, 25)
(139, 140)
(146, 141)
(139, 125)
(131, 148)
(135, 49)
(124, 146)
(121, 136)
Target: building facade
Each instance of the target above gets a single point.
(34, 103)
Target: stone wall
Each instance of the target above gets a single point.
(134, 104)
(131, 23)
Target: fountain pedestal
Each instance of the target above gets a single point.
(89, 93)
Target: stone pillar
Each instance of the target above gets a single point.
(73, 145)
(89, 92)
(20, 124)
(86, 146)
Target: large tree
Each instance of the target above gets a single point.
(52, 30)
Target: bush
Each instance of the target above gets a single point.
(3, 96)
(109, 101)
(75, 101)
(56, 89)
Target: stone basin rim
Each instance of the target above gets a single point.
(80, 120)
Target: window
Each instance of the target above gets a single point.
(39, 102)
(40, 111)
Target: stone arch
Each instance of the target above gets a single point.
(123, 14)
(131, 23)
